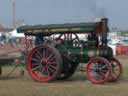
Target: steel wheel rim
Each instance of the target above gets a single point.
(41, 71)
(102, 74)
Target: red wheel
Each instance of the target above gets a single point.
(44, 63)
(116, 70)
(98, 70)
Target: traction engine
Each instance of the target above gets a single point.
(57, 51)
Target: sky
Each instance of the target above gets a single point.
(65, 11)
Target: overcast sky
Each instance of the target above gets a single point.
(65, 11)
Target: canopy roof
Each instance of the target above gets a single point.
(58, 28)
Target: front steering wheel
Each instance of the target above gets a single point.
(70, 37)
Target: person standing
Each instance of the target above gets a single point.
(39, 40)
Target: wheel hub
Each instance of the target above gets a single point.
(43, 61)
(97, 70)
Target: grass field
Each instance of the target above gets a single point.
(78, 85)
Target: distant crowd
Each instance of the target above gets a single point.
(7, 39)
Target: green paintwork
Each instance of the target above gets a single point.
(23, 59)
(86, 57)
(83, 54)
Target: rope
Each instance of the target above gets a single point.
(16, 64)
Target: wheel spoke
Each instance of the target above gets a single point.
(38, 55)
(52, 59)
(95, 64)
(40, 70)
(46, 52)
(43, 70)
(114, 73)
(35, 69)
(49, 63)
(102, 67)
(43, 53)
(50, 56)
(53, 67)
(35, 59)
(102, 74)
(51, 70)
(100, 77)
(105, 71)
(35, 64)
(48, 74)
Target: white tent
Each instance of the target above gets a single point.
(15, 34)
(0, 34)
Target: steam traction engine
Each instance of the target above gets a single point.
(58, 50)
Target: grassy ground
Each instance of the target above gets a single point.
(78, 85)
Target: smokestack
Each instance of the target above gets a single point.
(104, 31)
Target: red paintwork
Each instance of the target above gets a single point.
(122, 50)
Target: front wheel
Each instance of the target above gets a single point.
(98, 70)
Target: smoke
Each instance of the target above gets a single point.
(97, 8)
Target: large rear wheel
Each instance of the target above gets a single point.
(44, 63)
